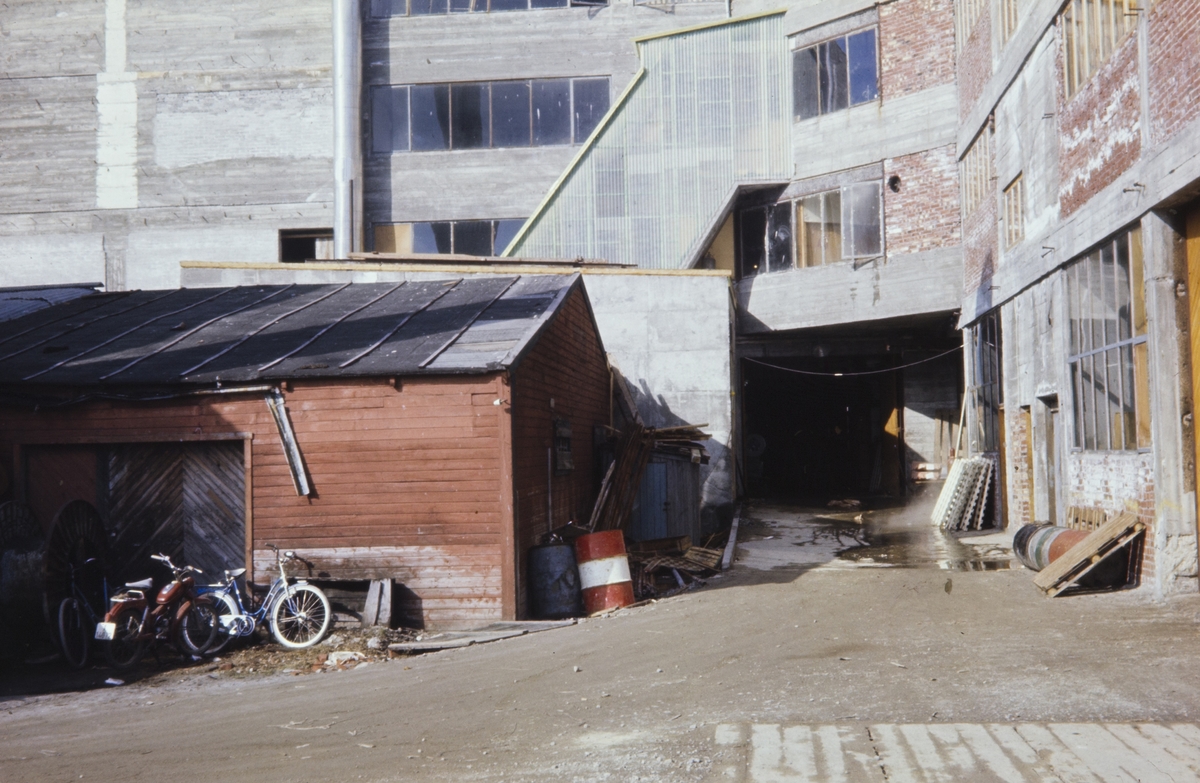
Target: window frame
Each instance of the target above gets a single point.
(1014, 212)
(1078, 20)
(1089, 340)
(452, 228)
(577, 131)
(822, 48)
(387, 9)
(797, 258)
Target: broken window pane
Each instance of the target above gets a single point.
(430, 116)
(864, 81)
(510, 114)
(551, 112)
(431, 237)
(833, 226)
(779, 237)
(506, 231)
(834, 77)
(389, 118)
(469, 120)
(861, 220)
(591, 103)
(806, 98)
(473, 237)
(426, 7)
(752, 229)
(810, 225)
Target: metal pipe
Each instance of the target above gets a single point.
(347, 124)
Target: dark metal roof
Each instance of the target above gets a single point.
(202, 336)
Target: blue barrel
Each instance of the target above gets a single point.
(554, 592)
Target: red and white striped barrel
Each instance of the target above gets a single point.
(603, 571)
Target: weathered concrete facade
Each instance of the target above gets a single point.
(1093, 171)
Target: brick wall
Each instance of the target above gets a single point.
(924, 214)
(916, 41)
(1019, 467)
(567, 365)
(975, 63)
(1116, 482)
(980, 240)
(1174, 66)
(1099, 128)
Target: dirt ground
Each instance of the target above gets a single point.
(826, 618)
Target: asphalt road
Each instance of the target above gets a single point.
(892, 660)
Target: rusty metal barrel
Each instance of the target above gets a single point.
(1037, 546)
(604, 571)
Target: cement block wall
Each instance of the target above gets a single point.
(670, 334)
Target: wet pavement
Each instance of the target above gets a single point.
(775, 536)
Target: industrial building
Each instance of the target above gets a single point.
(854, 214)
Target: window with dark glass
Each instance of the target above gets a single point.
(822, 228)
(539, 112)
(461, 237)
(985, 389)
(382, 9)
(835, 75)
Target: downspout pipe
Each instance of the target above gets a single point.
(347, 124)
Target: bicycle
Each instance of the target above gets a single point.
(77, 618)
(297, 612)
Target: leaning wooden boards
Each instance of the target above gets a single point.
(1088, 553)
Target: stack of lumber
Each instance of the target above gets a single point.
(963, 502)
(620, 487)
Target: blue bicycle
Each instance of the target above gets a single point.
(297, 612)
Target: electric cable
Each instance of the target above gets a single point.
(848, 374)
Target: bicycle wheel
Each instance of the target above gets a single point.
(74, 635)
(199, 627)
(300, 616)
(126, 649)
(226, 607)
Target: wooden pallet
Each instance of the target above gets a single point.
(1081, 559)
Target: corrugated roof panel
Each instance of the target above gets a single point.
(709, 112)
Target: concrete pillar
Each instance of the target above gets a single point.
(1171, 407)
(347, 127)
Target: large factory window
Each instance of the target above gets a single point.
(539, 112)
(460, 237)
(1108, 360)
(822, 228)
(382, 9)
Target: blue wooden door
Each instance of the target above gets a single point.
(650, 517)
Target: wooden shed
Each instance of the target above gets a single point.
(424, 432)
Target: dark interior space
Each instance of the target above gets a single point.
(817, 436)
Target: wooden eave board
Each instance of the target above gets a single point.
(1101, 542)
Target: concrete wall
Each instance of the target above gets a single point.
(127, 121)
(670, 334)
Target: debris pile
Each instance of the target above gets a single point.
(669, 565)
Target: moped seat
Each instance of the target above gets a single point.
(144, 584)
(258, 589)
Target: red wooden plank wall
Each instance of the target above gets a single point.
(567, 365)
(408, 481)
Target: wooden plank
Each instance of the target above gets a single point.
(1096, 560)
(1099, 542)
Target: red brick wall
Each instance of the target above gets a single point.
(1174, 27)
(925, 214)
(975, 63)
(980, 240)
(567, 365)
(1116, 481)
(1099, 128)
(916, 39)
(407, 481)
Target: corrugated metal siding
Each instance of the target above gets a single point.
(709, 112)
